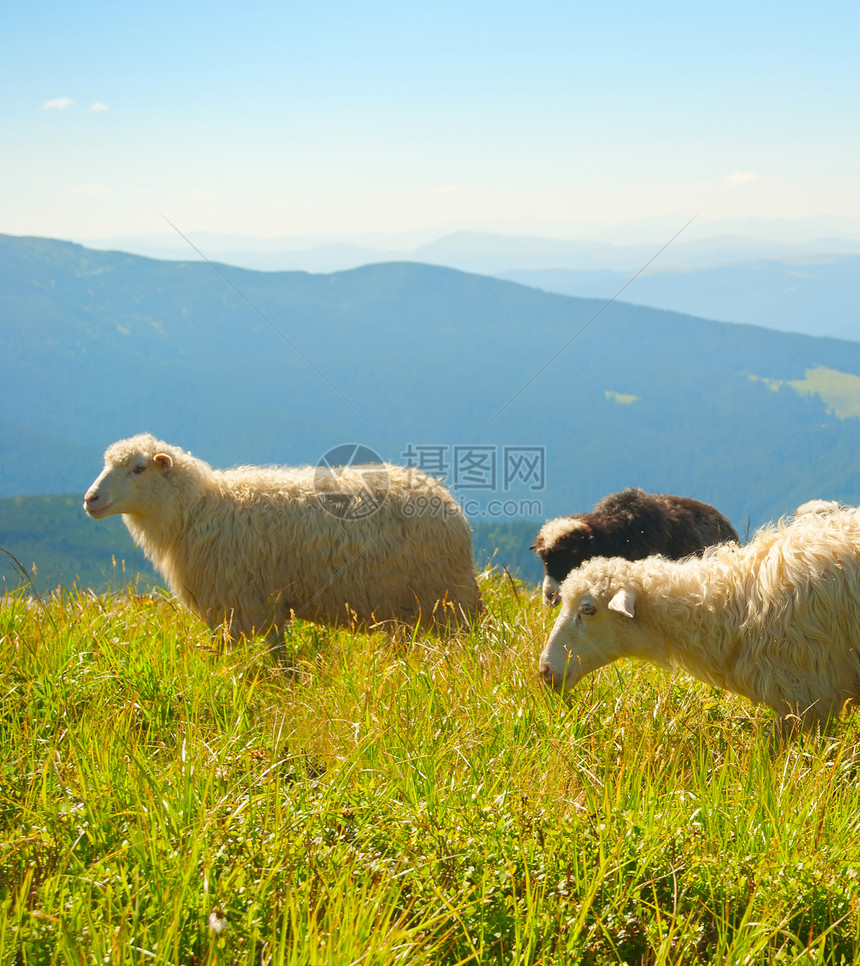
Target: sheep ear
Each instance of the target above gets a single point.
(623, 602)
(164, 461)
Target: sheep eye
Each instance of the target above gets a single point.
(138, 469)
(587, 610)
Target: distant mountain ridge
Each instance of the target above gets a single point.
(793, 284)
(817, 296)
(588, 247)
(242, 366)
(483, 252)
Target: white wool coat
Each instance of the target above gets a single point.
(248, 548)
(777, 621)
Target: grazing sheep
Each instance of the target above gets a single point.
(631, 524)
(247, 548)
(777, 621)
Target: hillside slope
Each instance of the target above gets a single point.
(818, 296)
(244, 366)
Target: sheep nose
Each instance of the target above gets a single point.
(91, 497)
(550, 600)
(546, 673)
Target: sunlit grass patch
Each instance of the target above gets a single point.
(840, 391)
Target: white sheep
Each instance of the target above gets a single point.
(248, 548)
(777, 621)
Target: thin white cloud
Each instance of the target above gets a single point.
(740, 177)
(446, 189)
(98, 106)
(57, 104)
(89, 189)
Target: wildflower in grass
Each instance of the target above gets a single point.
(217, 920)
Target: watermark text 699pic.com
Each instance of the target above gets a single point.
(474, 472)
(486, 480)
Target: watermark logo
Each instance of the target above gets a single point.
(484, 478)
(481, 466)
(351, 482)
(524, 465)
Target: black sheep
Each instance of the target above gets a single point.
(632, 524)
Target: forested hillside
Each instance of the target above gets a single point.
(424, 365)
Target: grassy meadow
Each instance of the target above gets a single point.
(166, 801)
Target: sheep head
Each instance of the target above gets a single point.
(562, 544)
(130, 479)
(591, 630)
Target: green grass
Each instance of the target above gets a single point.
(839, 391)
(420, 802)
(623, 399)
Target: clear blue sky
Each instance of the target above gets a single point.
(332, 118)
